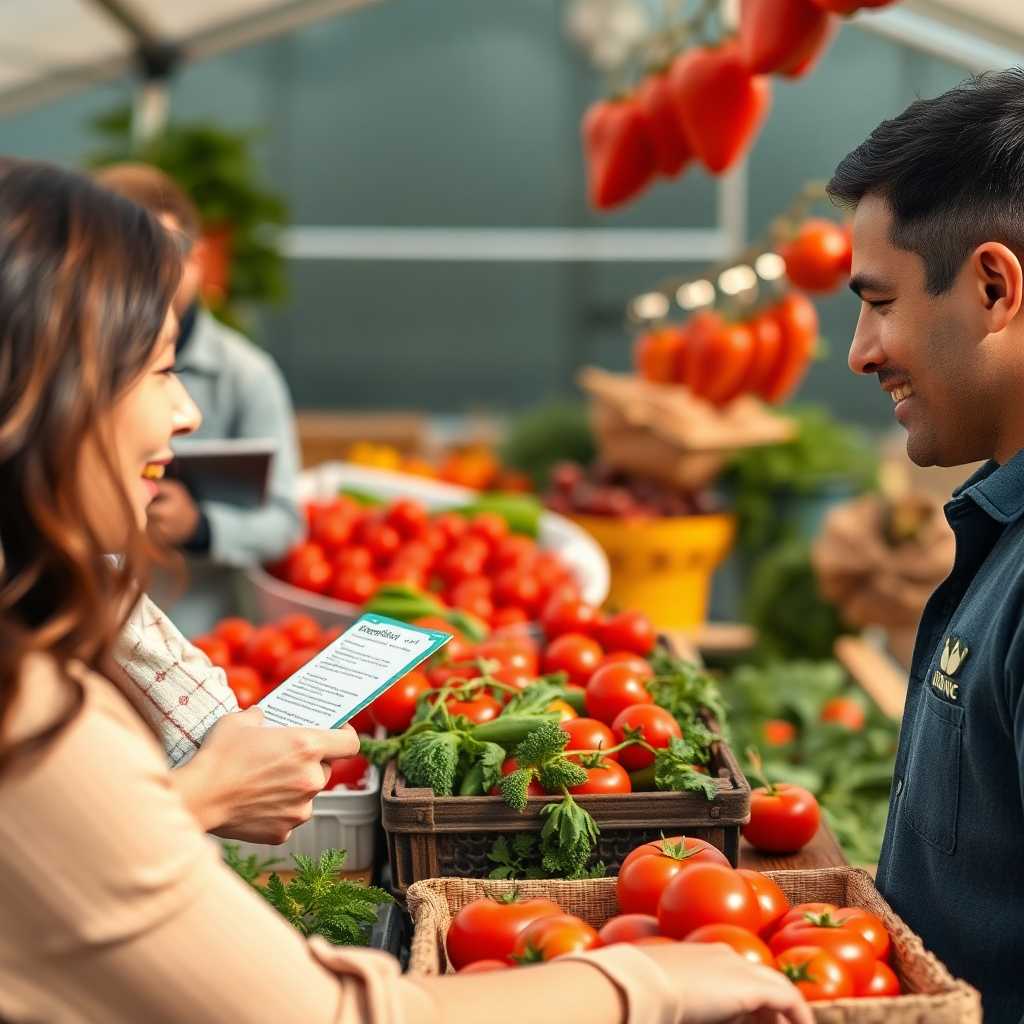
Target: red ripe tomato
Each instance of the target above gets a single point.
(458, 647)
(719, 357)
(574, 654)
(845, 711)
(706, 894)
(460, 564)
(671, 150)
(307, 551)
(767, 355)
(589, 734)
(742, 940)
(551, 937)
(639, 665)
(266, 647)
(868, 926)
(414, 553)
(395, 707)
(659, 355)
(517, 587)
(245, 683)
(648, 869)
(612, 689)
(514, 552)
(408, 517)
(618, 150)
(347, 771)
(844, 944)
(816, 972)
(563, 615)
(656, 726)
(331, 526)
(302, 630)
(452, 526)
(510, 765)
(720, 104)
(770, 898)
(355, 557)
(363, 723)
(356, 586)
(310, 575)
(604, 777)
(490, 527)
(487, 929)
(777, 732)
(482, 708)
(215, 648)
(803, 911)
(817, 258)
(235, 633)
(628, 631)
(782, 820)
(484, 966)
(883, 982)
(290, 664)
(382, 539)
(627, 928)
(781, 35)
(798, 320)
(505, 617)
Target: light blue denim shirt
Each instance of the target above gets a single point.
(242, 394)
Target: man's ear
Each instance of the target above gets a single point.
(999, 280)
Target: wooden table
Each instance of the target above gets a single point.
(821, 852)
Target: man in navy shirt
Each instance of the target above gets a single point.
(938, 245)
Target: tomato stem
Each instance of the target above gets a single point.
(757, 771)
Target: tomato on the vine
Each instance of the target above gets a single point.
(619, 152)
(781, 35)
(648, 869)
(671, 149)
(706, 894)
(798, 321)
(818, 257)
(652, 724)
(487, 929)
(612, 689)
(741, 940)
(660, 354)
(589, 734)
(604, 776)
(627, 928)
(574, 654)
(816, 972)
(721, 354)
(479, 709)
(783, 819)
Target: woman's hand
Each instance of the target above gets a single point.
(254, 783)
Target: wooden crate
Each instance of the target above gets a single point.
(430, 836)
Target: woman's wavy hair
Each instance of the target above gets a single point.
(86, 279)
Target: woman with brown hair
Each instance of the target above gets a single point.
(114, 907)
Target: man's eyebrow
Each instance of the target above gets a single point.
(861, 283)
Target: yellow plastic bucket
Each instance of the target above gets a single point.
(663, 566)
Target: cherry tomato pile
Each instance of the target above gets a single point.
(710, 102)
(684, 889)
(256, 659)
(718, 360)
(475, 564)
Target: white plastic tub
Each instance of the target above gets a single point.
(343, 819)
(273, 598)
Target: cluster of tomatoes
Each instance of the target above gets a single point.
(684, 889)
(708, 103)
(475, 564)
(719, 359)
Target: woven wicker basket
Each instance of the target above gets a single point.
(932, 996)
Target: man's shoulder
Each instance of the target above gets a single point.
(236, 353)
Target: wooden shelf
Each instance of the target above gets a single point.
(879, 675)
(821, 852)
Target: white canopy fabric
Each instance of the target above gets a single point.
(50, 48)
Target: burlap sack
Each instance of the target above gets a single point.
(932, 996)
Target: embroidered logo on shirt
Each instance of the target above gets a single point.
(954, 654)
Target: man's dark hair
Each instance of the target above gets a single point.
(951, 170)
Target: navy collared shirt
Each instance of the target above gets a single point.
(952, 862)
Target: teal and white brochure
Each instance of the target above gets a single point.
(371, 655)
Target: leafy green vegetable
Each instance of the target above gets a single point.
(567, 839)
(430, 759)
(555, 432)
(682, 688)
(673, 770)
(516, 859)
(317, 900)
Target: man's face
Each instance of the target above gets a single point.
(191, 267)
(925, 349)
